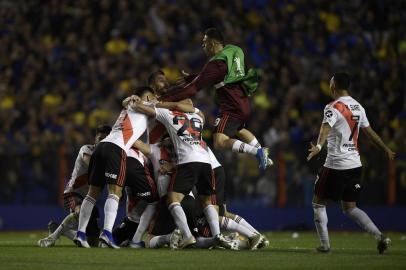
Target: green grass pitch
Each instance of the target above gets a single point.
(18, 250)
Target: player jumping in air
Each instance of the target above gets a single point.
(339, 178)
(226, 72)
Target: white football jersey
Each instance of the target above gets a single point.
(138, 155)
(185, 130)
(78, 182)
(159, 154)
(129, 127)
(345, 116)
(214, 162)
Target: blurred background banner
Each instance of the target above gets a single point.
(65, 66)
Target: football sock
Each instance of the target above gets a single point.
(244, 223)
(180, 219)
(255, 143)
(240, 147)
(144, 222)
(212, 218)
(320, 220)
(231, 225)
(362, 219)
(159, 241)
(85, 212)
(203, 242)
(110, 211)
(67, 227)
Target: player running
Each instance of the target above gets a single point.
(108, 165)
(339, 178)
(226, 72)
(75, 191)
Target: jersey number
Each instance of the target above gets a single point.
(193, 126)
(354, 118)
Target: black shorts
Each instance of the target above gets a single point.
(228, 125)
(191, 174)
(107, 165)
(163, 223)
(140, 182)
(71, 200)
(220, 180)
(338, 185)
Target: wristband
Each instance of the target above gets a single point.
(318, 146)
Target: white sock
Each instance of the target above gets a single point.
(255, 143)
(204, 242)
(68, 223)
(244, 223)
(110, 211)
(180, 219)
(320, 220)
(230, 225)
(362, 219)
(144, 222)
(240, 147)
(159, 241)
(70, 234)
(212, 218)
(85, 212)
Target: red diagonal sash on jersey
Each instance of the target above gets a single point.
(127, 129)
(348, 116)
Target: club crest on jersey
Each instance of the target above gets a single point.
(329, 114)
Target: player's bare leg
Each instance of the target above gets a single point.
(174, 199)
(84, 215)
(363, 220)
(320, 221)
(223, 142)
(67, 228)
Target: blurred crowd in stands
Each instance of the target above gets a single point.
(65, 66)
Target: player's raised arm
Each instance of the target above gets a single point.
(315, 149)
(142, 108)
(378, 141)
(143, 147)
(183, 106)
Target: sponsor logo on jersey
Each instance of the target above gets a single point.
(110, 175)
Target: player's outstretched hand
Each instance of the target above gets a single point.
(314, 150)
(390, 154)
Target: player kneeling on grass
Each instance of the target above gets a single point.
(339, 178)
(75, 191)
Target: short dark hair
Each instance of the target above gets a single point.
(105, 129)
(140, 90)
(152, 77)
(342, 80)
(215, 34)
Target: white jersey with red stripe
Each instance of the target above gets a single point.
(185, 130)
(213, 160)
(138, 155)
(129, 127)
(345, 116)
(78, 182)
(159, 155)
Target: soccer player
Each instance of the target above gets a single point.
(226, 72)
(108, 165)
(74, 193)
(339, 178)
(193, 166)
